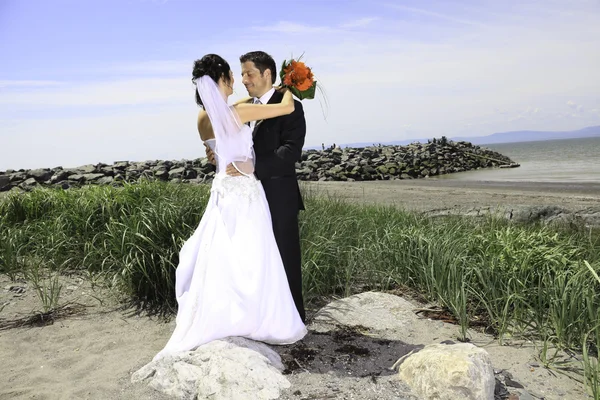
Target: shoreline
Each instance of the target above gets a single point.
(524, 201)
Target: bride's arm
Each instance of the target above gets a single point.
(241, 101)
(204, 126)
(254, 112)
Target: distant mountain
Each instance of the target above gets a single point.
(501, 137)
(532, 136)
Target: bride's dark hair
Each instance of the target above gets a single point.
(212, 65)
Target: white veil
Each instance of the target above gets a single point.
(233, 139)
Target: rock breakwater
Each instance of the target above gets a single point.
(413, 161)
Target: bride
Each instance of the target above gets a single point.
(230, 280)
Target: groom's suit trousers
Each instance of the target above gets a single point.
(283, 204)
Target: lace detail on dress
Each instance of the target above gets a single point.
(246, 187)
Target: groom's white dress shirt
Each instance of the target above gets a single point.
(264, 99)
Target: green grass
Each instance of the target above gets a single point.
(131, 235)
(534, 281)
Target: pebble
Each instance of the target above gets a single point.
(17, 289)
(512, 383)
(524, 395)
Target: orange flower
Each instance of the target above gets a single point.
(298, 75)
(304, 85)
(288, 79)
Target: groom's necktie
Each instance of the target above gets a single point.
(253, 123)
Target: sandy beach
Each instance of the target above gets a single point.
(464, 197)
(92, 353)
(436, 194)
(88, 355)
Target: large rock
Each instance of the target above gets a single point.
(121, 165)
(76, 178)
(28, 184)
(232, 368)
(87, 169)
(107, 171)
(449, 372)
(372, 310)
(176, 173)
(41, 175)
(92, 177)
(105, 180)
(18, 177)
(539, 214)
(4, 183)
(60, 176)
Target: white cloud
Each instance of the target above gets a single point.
(359, 23)
(108, 93)
(27, 83)
(153, 67)
(292, 27)
(576, 107)
(288, 27)
(159, 2)
(436, 15)
(531, 111)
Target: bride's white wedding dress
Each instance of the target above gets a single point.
(230, 280)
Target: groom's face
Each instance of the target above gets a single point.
(256, 84)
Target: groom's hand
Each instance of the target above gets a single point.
(232, 171)
(210, 155)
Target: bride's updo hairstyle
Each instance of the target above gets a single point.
(215, 67)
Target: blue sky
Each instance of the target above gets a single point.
(99, 81)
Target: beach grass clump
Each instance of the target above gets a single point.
(527, 278)
(131, 234)
(530, 280)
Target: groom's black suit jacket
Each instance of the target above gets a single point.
(277, 147)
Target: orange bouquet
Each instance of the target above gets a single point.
(298, 78)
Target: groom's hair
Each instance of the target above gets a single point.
(262, 61)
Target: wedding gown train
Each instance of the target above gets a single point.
(230, 280)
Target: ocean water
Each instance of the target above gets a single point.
(569, 160)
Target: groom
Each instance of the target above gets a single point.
(277, 146)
